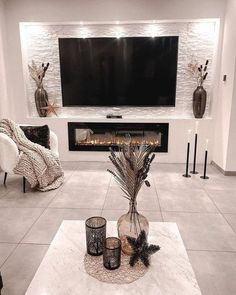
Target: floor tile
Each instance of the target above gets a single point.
(86, 165)
(175, 180)
(113, 215)
(4, 189)
(15, 222)
(31, 199)
(185, 200)
(81, 197)
(89, 178)
(215, 271)
(203, 231)
(218, 182)
(5, 251)
(13, 180)
(68, 174)
(20, 267)
(231, 219)
(167, 168)
(47, 225)
(225, 200)
(85, 193)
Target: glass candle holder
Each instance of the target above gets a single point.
(112, 253)
(95, 235)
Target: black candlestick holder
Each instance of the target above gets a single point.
(95, 235)
(112, 253)
(195, 156)
(1, 283)
(205, 165)
(187, 162)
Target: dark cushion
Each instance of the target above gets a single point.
(38, 134)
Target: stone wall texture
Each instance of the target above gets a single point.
(196, 39)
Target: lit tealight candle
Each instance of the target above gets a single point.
(207, 141)
(189, 134)
(196, 127)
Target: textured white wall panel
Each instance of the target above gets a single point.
(40, 43)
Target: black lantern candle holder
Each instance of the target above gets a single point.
(112, 253)
(95, 235)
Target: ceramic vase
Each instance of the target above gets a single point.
(41, 100)
(199, 102)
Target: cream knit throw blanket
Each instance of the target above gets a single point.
(40, 166)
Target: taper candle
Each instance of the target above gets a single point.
(196, 127)
(187, 160)
(195, 150)
(207, 141)
(205, 165)
(189, 134)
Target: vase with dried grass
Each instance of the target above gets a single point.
(132, 164)
(199, 72)
(41, 97)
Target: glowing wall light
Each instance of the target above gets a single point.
(84, 32)
(152, 30)
(119, 32)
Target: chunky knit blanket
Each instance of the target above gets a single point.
(40, 166)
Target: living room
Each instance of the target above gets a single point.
(156, 82)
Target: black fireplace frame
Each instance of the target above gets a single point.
(161, 127)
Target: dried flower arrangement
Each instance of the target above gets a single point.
(199, 72)
(132, 164)
(43, 106)
(37, 73)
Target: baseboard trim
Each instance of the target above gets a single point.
(225, 172)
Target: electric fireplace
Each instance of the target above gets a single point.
(101, 136)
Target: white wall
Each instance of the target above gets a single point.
(98, 10)
(76, 10)
(225, 135)
(4, 105)
(40, 43)
(231, 152)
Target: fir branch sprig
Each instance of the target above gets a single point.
(141, 250)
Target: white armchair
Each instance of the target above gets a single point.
(9, 153)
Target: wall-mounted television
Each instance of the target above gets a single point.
(129, 71)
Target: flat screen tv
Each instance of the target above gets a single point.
(131, 71)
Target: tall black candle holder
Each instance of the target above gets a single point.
(187, 162)
(195, 156)
(112, 253)
(1, 283)
(205, 165)
(95, 235)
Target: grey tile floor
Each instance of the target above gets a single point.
(205, 211)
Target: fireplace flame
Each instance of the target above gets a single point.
(117, 141)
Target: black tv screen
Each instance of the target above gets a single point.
(133, 71)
